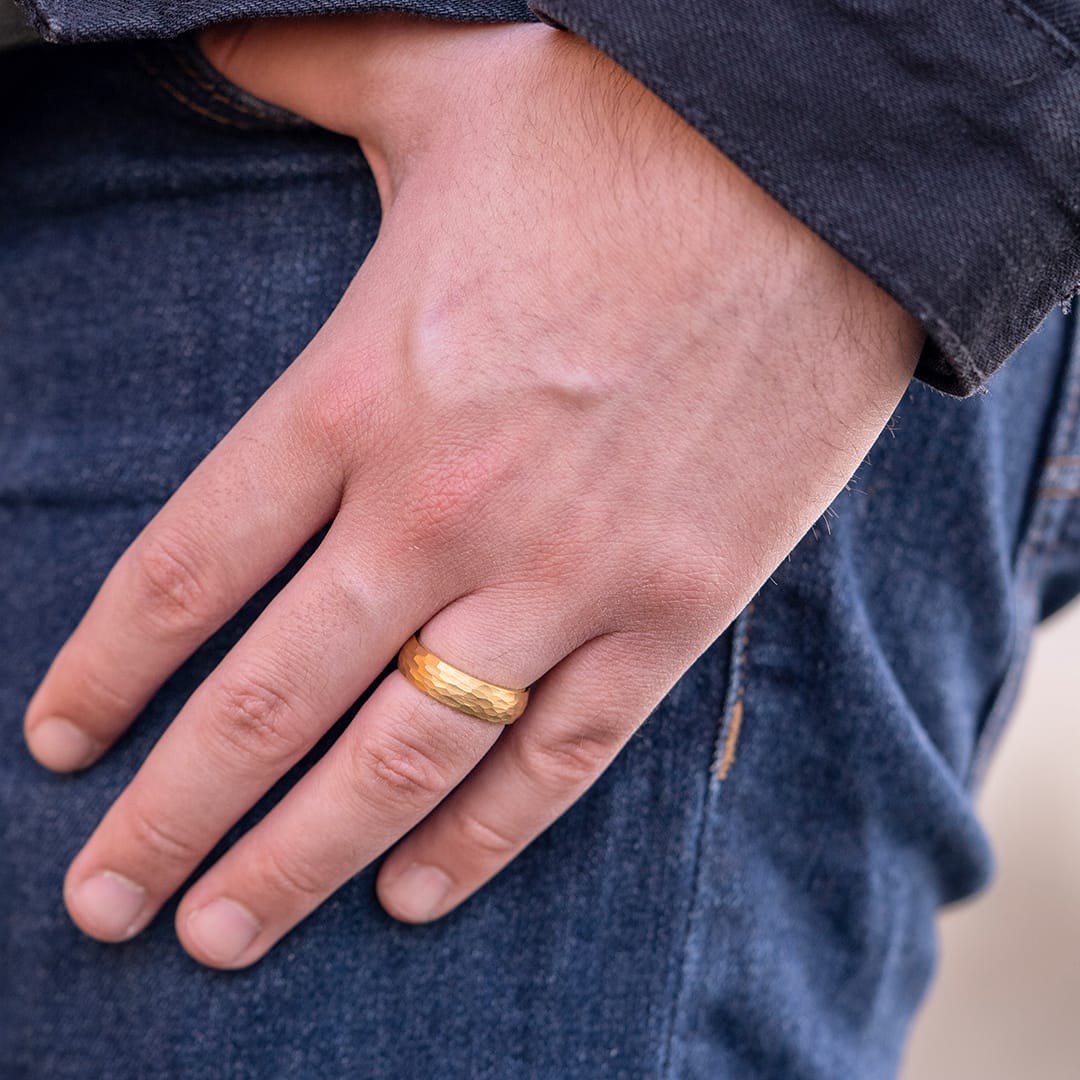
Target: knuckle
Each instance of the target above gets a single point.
(572, 757)
(111, 697)
(171, 595)
(683, 594)
(253, 721)
(483, 837)
(286, 874)
(351, 406)
(451, 491)
(398, 771)
(165, 843)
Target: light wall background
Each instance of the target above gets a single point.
(1006, 1002)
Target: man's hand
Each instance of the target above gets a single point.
(588, 389)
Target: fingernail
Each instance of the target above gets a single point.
(59, 745)
(419, 892)
(109, 904)
(222, 929)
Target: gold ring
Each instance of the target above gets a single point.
(456, 688)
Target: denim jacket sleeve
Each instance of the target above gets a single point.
(934, 143)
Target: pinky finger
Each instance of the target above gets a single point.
(579, 716)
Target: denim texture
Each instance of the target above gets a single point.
(749, 890)
(1062, 15)
(105, 20)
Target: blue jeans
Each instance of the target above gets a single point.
(749, 891)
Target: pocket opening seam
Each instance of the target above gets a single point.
(1055, 493)
(216, 94)
(183, 99)
(727, 737)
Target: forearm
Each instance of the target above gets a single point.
(934, 145)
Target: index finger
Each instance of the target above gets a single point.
(234, 523)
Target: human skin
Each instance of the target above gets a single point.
(588, 389)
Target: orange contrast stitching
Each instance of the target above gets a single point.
(216, 94)
(184, 100)
(727, 759)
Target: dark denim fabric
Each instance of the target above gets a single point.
(105, 20)
(749, 891)
(933, 144)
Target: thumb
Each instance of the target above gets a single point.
(372, 76)
(356, 74)
(317, 68)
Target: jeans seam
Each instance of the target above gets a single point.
(1040, 538)
(188, 103)
(216, 94)
(1044, 535)
(1058, 43)
(734, 695)
(189, 58)
(180, 69)
(727, 737)
(1002, 705)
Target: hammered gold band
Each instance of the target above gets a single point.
(453, 687)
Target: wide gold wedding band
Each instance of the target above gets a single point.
(458, 689)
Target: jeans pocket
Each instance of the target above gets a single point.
(179, 69)
(1046, 568)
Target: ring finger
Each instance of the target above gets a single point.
(580, 717)
(402, 755)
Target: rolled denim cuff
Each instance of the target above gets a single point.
(111, 20)
(934, 144)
